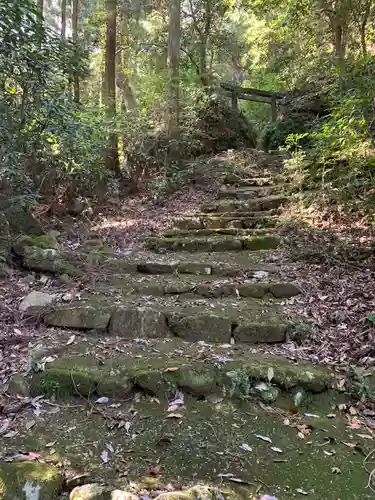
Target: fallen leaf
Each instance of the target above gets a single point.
(264, 438)
(275, 449)
(350, 445)
(245, 447)
(30, 424)
(173, 408)
(104, 456)
(365, 436)
(71, 340)
(10, 434)
(102, 401)
(286, 421)
(226, 475)
(171, 369)
(329, 453)
(270, 374)
(311, 415)
(50, 444)
(331, 415)
(354, 424)
(301, 491)
(267, 497)
(110, 447)
(352, 411)
(49, 359)
(336, 470)
(174, 415)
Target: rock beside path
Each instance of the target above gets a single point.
(29, 480)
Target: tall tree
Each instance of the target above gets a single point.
(75, 13)
(109, 84)
(63, 19)
(174, 42)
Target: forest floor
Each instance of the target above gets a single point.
(149, 445)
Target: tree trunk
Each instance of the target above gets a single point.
(174, 40)
(63, 19)
(41, 8)
(75, 12)
(109, 97)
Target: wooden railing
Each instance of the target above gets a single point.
(256, 95)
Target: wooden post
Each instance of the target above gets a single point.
(234, 100)
(273, 109)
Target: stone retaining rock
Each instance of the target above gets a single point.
(30, 480)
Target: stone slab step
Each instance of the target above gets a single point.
(250, 192)
(233, 231)
(234, 220)
(258, 204)
(203, 286)
(159, 367)
(205, 263)
(237, 180)
(212, 244)
(211, 320)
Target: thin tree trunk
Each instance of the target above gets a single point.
(63, 19)
(41, 8)
(109, 98)
(174, 41)
(75, 12)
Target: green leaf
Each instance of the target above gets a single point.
(371, 318)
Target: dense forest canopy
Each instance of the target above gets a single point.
(90, 90)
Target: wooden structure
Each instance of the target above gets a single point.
(256, 95)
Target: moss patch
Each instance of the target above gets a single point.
(29, 480)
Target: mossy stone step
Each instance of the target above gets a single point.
(237, 180)
(203, 286)
(213, 244)
(211, 320)
(162, 366)
(76, 263)
(258, 204)
(215, 221)
(175, 233)
(249, 192)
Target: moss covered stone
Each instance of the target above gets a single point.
(29, 481)
(286, 290)
(45, 241)
(253, 331)
(82, 376)
(48, 260)
(86, 317)
(260, 242)
(195, 326)
(138, 322)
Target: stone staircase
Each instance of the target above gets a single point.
(201, 281)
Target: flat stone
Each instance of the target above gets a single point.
(206, 326)
(123, 495)
(47, 260)
(18, 385)
(156, 268)
(259, 333)
(194, 268)
(90, 492)
(189, 223)
(138, 322)
(84, 317)
(286, 290)
(36, 299)
(30, 480)
(260, 242)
